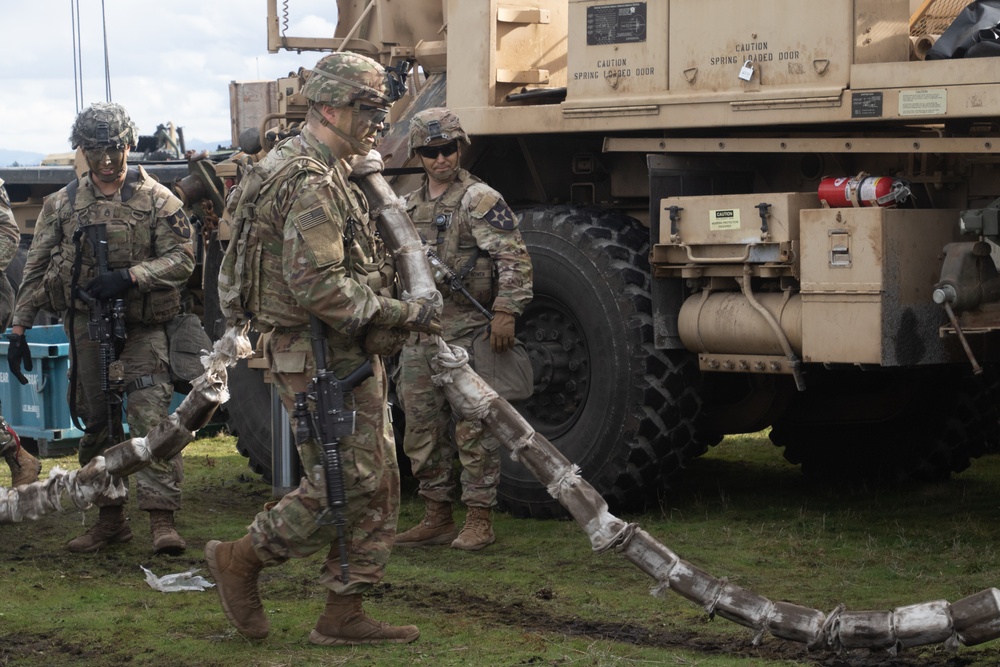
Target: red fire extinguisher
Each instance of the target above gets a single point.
(862, 190)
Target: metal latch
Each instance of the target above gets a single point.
(840, 248)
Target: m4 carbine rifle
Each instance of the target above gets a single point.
(327, 424)
(454, 282)
(106, 326)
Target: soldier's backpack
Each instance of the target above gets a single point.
(239, 277)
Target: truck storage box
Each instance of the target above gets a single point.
(727, 228)
(867, 278)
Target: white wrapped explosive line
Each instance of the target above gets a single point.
(972, 620)
(101, 476)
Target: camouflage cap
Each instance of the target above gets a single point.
(435, 126)
(340, 79)
(103, 123)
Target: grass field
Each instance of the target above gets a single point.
(539, 596)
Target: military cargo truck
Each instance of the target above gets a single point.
(764, 214)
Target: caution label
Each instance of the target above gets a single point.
(724, 219)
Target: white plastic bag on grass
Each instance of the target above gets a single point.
(172, 583)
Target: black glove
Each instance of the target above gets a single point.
(109, 285)
(18, 354)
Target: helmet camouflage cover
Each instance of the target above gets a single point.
(340, 79)
(435, 126)
(103, 123)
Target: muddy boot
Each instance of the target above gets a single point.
(235, 567)
(344, 623)
(477, 533)
(166, 540)
(111, 528)
(437, 527)
(24, 467)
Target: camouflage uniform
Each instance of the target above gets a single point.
(150, 252)
(24, 467)
(304, 251)
(319, 255)
(477, 218)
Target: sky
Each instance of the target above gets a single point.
(170, 61)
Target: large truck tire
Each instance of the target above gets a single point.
(249, 416)
(248, 410)
(890, 425)
(604, 396)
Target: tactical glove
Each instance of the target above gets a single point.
(18, 354)
(501, 332)
(110, 284)
(385, 341)
(362, 165)
(421, 315)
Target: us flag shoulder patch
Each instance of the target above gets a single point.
(313, 217)
(500, 216)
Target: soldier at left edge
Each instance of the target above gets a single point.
(111, 254)
(24, 467)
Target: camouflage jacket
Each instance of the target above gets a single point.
(307, 245)
(470, 225)
(9, 239)
(9, 234)
(147, 231)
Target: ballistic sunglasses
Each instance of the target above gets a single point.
(432, 152)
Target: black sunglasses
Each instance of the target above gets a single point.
(432, 152)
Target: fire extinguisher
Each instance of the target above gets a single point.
(863, 190)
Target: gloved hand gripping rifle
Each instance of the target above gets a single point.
(106, 326)
(327, 423)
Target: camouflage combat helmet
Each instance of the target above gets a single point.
(103, 123)
(433, 127)
(340, 79)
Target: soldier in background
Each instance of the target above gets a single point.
(150, 258)
(471, 229)
(24, 467)
(311, 251)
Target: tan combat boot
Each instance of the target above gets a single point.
(235, 567)
(111, 528)
(344, 623)
(437, 527)
(24, 467)
(166, 540)
(477, 533)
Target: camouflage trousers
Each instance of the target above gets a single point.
(289, 529)
(145, 353)
(427, 439)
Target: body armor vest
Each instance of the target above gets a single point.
(130, 228)
(445, 227)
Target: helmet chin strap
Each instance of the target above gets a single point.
(360, 148)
